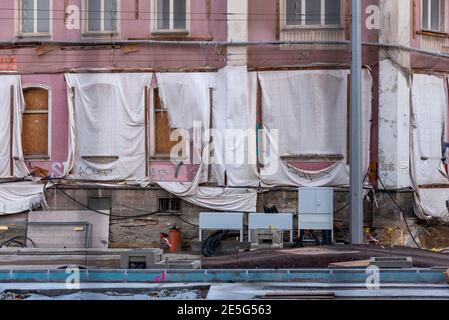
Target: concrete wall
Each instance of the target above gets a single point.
(132, 232)
(380, 214)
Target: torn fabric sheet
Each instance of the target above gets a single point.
(16, 197)
(215, 198)
(305, 114)
(429, 116)
(234, 119)
(186, 97)
(107, 126)
(18, 106)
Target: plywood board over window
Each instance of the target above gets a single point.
(35, 140)
(162, 131)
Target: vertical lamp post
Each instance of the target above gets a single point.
(356, 187)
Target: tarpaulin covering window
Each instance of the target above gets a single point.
(11, 135)
(429, 134)
(107, 126)
(305, 114)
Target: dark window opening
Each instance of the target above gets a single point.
(169, 205)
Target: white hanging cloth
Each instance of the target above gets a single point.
(19, 167)
(16, 197)
(234, 121)
(308, 112)
(107, 126)
(429, 132)
(186, 96)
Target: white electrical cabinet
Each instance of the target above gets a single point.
(220, 221)
(280, 221)
(315, 208)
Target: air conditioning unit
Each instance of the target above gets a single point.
(315, 208)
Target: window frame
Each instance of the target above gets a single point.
(152, 123)
(101, 32)
(35, 33)
(49, 119)
(442, 17)
(303, 25)
(154, 26)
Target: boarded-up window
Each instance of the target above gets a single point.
(162, 130)
(35, 123)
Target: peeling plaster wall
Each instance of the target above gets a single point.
(237, 31)
(394, 122)
(395, 28)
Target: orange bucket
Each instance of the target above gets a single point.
(174, 237)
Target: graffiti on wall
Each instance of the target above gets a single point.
(170, 173)
(8, 63)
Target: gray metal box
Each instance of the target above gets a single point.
(220, 221)
(315, 208)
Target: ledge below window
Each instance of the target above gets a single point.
(314, 158)
(100, 158)
(166, 158)
(36, 158)
(100, 35)
(432, 34)
(34, 36)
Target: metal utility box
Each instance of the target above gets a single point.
(277, 221)
(315, 208)
(220, 221)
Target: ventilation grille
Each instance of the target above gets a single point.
(170, 205)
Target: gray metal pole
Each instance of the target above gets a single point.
(356, 190)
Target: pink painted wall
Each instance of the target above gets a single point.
(202, 27)
(263, 24)
(48, 69)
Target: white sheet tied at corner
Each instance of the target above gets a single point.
(107, 126)
(309, 111)
(429, 113)
(22, 196)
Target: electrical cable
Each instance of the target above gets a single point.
(186, 222)
(117, 217)
(347, 203)
(16, 240)
(400, 210)
(19, 179)
(210, 245)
